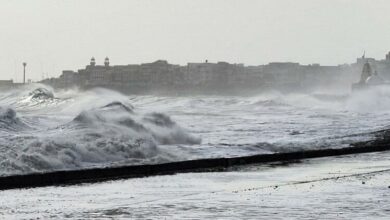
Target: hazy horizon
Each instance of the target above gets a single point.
(52, 36)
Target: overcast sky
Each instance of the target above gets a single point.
(53, 35)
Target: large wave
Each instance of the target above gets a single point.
(112, 134)
(9, 121)
(43, 130)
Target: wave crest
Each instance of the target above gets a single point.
(41, 93)
(9, 120)
(111, 134)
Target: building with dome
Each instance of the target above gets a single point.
(220, 76)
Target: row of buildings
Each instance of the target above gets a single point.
(9, 84)
(206, 76)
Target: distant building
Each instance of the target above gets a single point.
(6, 83)
(198, 74)
(208, 76)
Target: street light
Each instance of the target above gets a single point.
(24, 72)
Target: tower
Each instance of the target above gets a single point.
(92, 63)
(24, 72)
(106, 62)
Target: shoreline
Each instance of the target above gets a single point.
(70, 177)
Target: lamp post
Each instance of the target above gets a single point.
(24, 72)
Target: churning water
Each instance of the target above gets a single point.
(45, 130)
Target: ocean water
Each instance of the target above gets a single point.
(42, 129)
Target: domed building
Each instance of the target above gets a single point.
(106, 62)
(93, 62)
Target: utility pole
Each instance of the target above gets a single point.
(24, 72)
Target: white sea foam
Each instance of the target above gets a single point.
(72, 129)
(98, 136)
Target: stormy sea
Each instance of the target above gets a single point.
(44, 130)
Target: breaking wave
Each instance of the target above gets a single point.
(41, 93)
(42, 129)
(9, 120)
(157, 127)
(109, 135)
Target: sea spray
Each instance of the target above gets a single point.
(77, 129)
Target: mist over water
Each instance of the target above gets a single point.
(44, 130)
